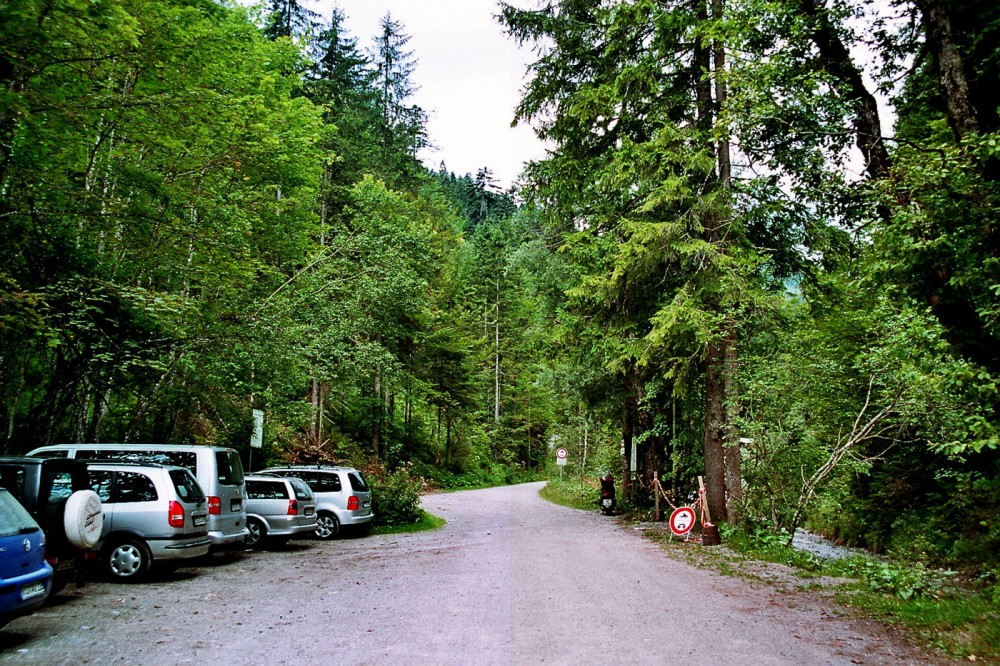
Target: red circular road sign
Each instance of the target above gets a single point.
(561, 453)
(682, 520)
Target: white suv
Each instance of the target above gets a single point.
(152, 513)
(343, 497)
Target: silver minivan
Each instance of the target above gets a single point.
(152, 514)
(278, 509)
(217, 468)
(343, 498)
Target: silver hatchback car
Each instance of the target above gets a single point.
(343, 497)
(152, 514)
(278, 509)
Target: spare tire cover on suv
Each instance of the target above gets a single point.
(83, 519)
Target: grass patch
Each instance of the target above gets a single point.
(427, 522)
(961, 626)
(572, 493)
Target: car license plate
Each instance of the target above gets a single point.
(31, 591)
(310, 510)
(200, 520)
(365, 505)
(606, 502)
(237, 505)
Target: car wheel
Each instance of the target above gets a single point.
(327, 526)
(127, 560)
(256, 534)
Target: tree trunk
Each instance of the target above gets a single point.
(437, 438)
(733, 455)
(377, 416)
(496, 363)
(721, 94)
(628, 423)
(715, 429)
(447, 440)
(837, 60)
(715, 390)
(952, 81)
(314, 433)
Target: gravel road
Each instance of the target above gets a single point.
(511, 579)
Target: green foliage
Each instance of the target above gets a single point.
(395, 496)
(904, 581)
(425, 523)
(572, 493)
(768, 545)
(963, 626)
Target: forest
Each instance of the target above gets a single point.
(763, 248)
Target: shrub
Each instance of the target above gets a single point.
(395, 496)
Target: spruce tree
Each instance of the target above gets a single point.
(288, 18)
(403, 126)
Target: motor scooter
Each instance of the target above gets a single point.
(607, 501)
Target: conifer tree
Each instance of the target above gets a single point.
(403, 131)
(289, 18)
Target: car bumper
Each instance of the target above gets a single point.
(223, 540)
(22, 594)
(179, 550)
(292, 526)
(350, 519)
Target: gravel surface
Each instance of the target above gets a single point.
(511, 579)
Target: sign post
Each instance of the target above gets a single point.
(561, 456)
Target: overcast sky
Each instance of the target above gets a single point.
(469, 75)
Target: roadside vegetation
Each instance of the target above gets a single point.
(424, 523)
(571, 493)
(946, 610)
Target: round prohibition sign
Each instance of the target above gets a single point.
(561, 453)
(682, 520)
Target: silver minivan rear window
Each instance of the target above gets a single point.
(357, 482)
(302, 489)
(230, 468)
(186, 486)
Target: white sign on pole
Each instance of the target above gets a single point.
(561, 456)
(257, 438)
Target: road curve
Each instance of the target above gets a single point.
(511, 579)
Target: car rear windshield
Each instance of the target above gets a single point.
(14, 518)
(357, 482)
(266, 489)
(187, 487)
(230, 468)
(302, 490)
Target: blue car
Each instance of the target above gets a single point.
(25, 576)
